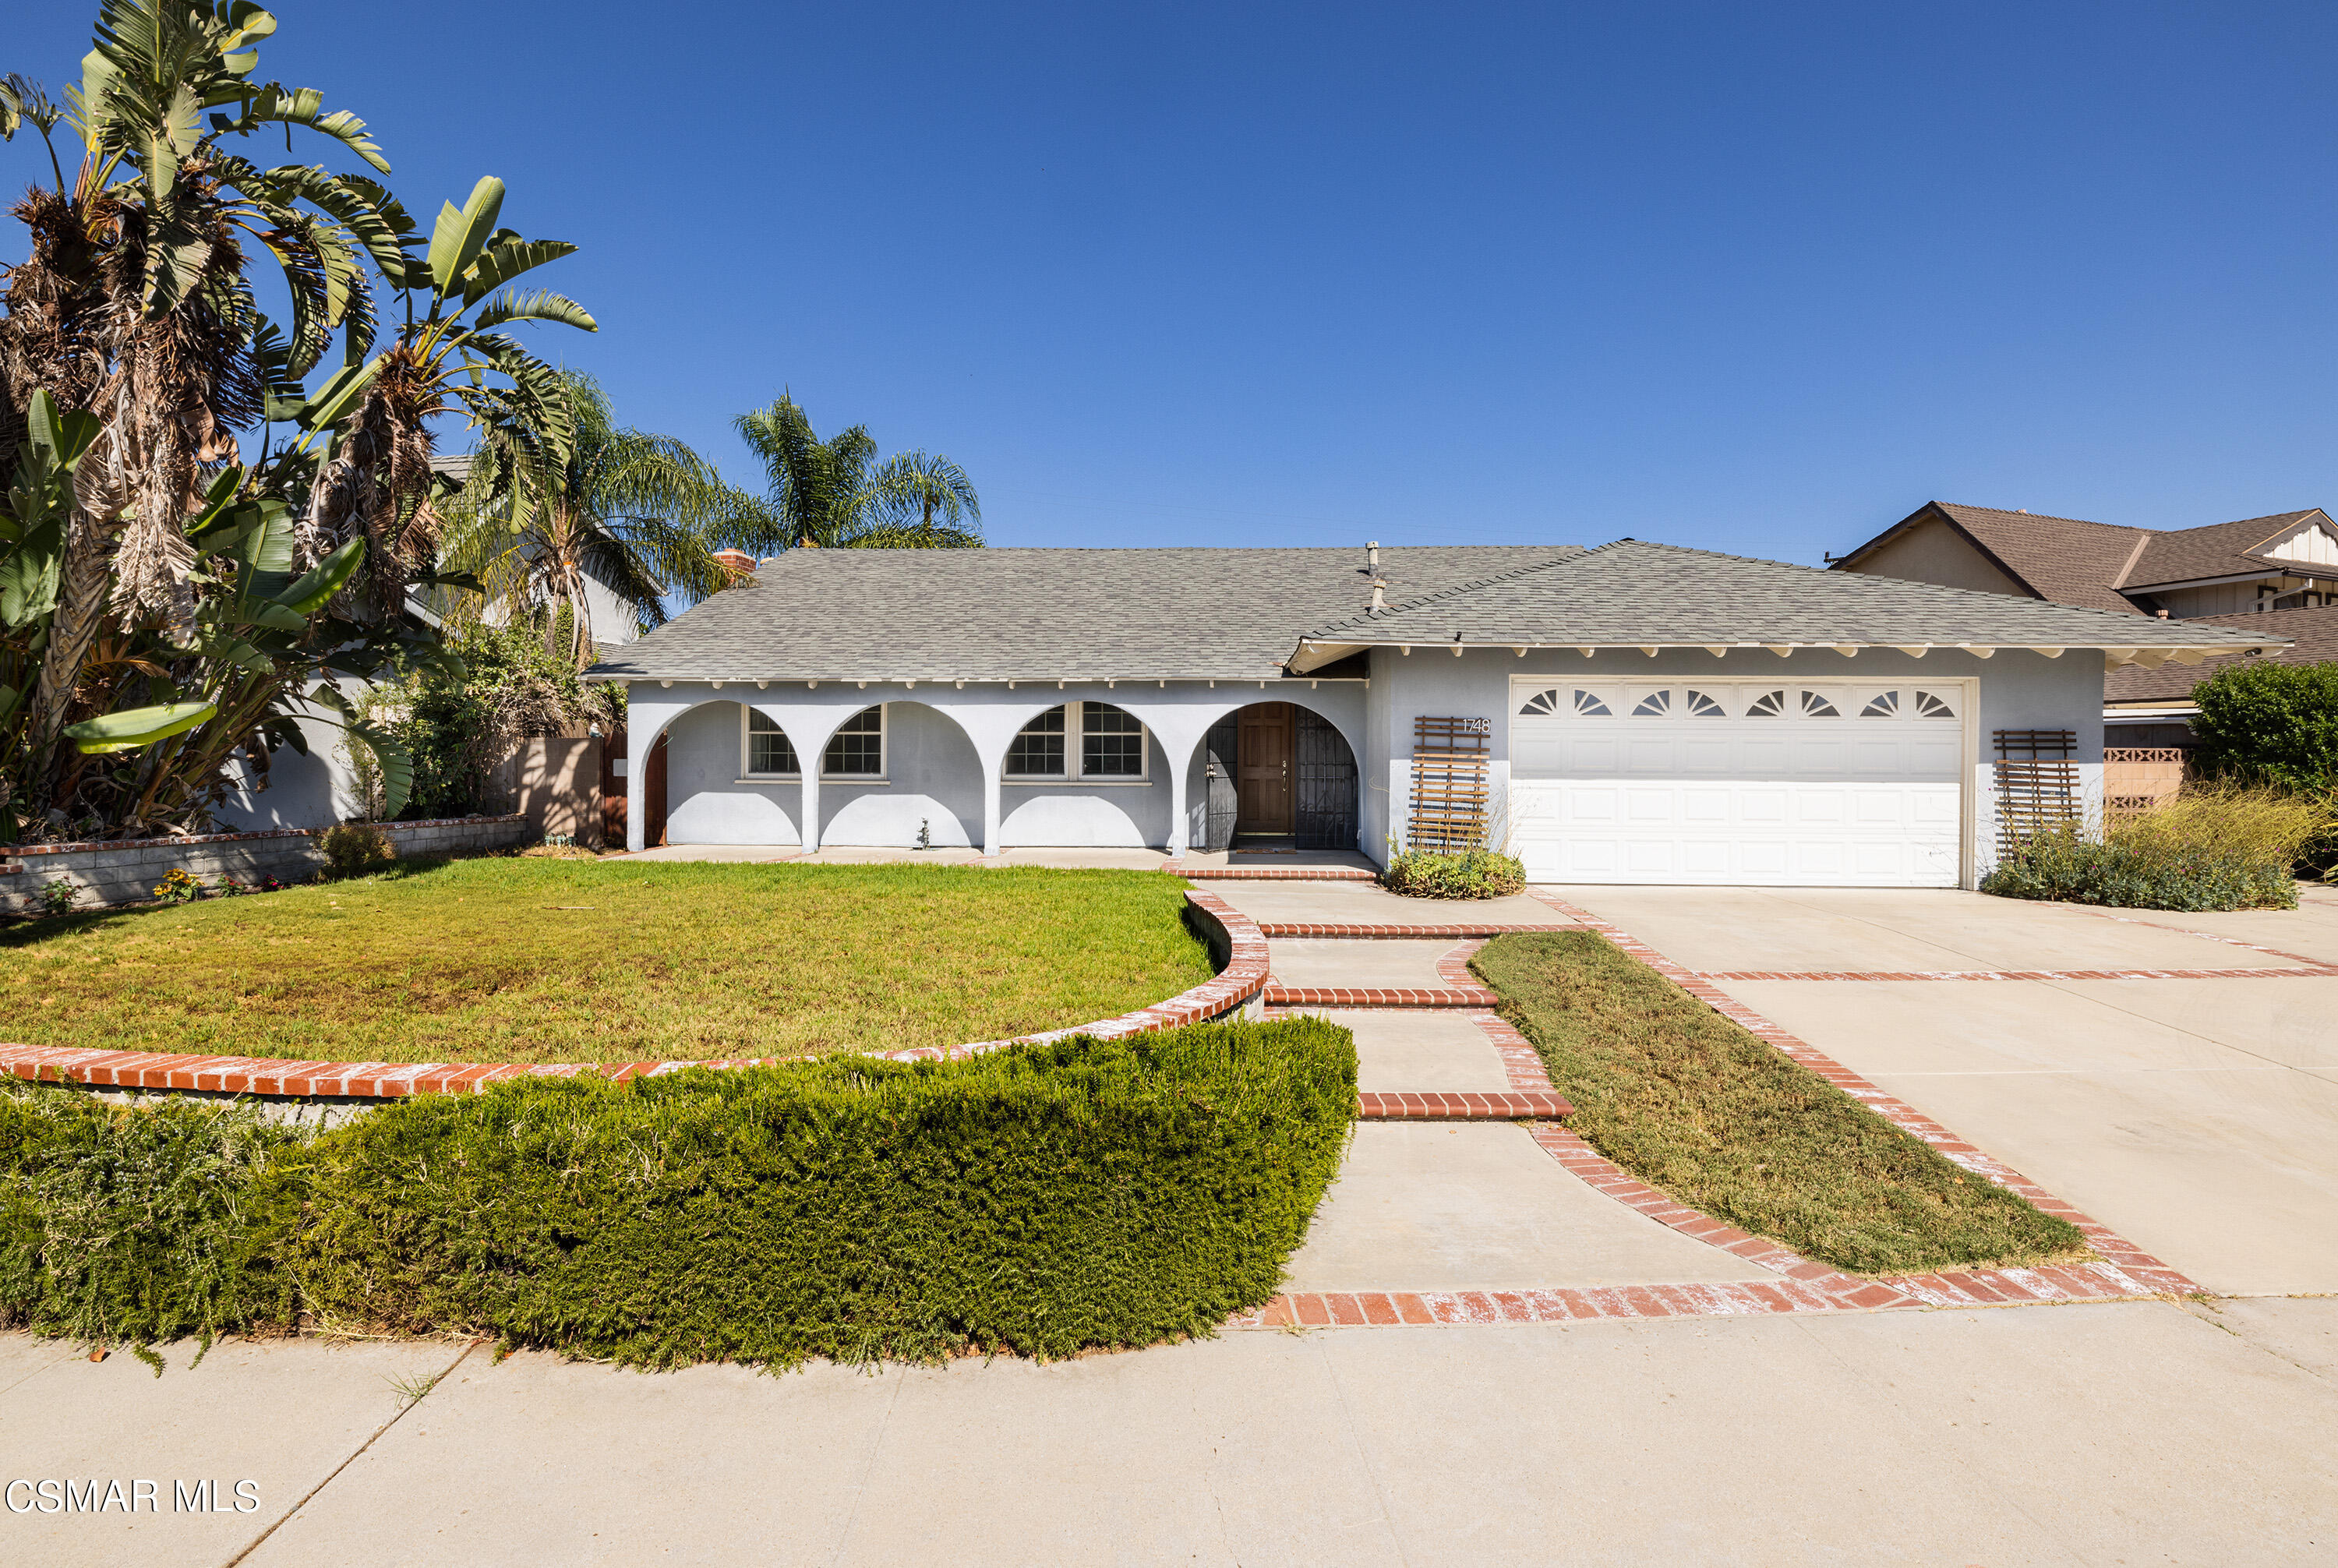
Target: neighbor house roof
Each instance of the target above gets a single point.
(1635, 594)
(1026, 615)
(2219, 550)
(2312, 635)
(2101, 565)
(2065, 559)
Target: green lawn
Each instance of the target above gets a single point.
(540, 960)
(1695, 1106)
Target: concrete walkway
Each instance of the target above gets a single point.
(2134, 1433)
(2198, 1117)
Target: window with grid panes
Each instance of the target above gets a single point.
(769, 749)
(857, 750)
(1112, 742)
(1038, 749)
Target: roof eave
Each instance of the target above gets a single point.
(1314, 653)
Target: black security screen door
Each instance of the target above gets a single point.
(1220, 805)
(1326, 815)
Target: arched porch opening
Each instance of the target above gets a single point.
(1278, 775)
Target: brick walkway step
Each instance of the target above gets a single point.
(1445, 1106)
(1414, 933)
(1276, 995)
(1271, 873)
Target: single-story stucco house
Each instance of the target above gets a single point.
(1641, 712)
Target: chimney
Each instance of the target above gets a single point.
(737, 564)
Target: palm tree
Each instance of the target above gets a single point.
(635, 512)
(835, 494)
(133, 356)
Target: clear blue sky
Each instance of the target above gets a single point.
(1752, 278)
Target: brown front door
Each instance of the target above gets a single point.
(1262, 773)
(654, 798)
(613, 791)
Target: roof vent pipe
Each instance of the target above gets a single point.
(1380, 595)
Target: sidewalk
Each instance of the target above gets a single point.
(2136, 1431)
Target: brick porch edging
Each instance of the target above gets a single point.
(1269, 873)
(1399, 933)
(1234, 986)
(1379, 996)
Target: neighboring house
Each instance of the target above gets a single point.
(1649, 713)
(320, 788)
(2284, 567)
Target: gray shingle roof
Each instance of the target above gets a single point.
(1630, 594)
(1005, 614)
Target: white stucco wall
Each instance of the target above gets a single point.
(2018, 690)
(946, 749)
(313, 792)
(946, 746)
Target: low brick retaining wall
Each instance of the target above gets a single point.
(127, 871)
(1235, 989)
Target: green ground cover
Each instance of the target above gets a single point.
(1697, 1107)
(1042, 1200)
(539, 960)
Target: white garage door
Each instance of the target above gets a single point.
(1828, 784)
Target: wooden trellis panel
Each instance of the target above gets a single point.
(1449, 757)
(2036, 784)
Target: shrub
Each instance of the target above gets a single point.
(1474, 874)
(1042, 1199)
(459, 718)
(121, 1225)
(2270, 724)
(356, 850)
(58, 895)
(2213, 846)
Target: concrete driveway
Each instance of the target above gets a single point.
(2197, 1116)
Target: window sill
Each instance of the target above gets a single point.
(853, 778)
(769, 778)
(1014, 783)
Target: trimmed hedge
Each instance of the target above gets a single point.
(127, 1227)
(1043, 1200)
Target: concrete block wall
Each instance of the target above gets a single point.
(110, 875)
